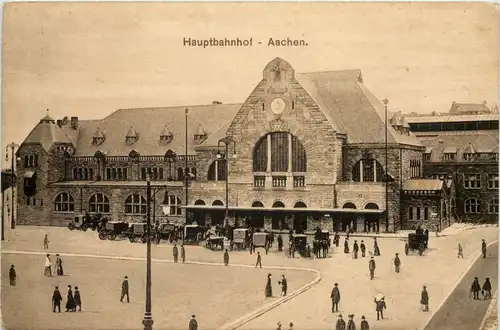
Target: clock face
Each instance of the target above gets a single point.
(278, 105)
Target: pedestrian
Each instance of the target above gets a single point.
(460, 251)
(48, 266)
(364, 323)
(226, 258)
(335, 296)
(70, 303)
(397, 263)
(279, 326)
(175, 252)
(486, 289)
(346, 246)
(193, 324)
(268, 245)
(46, 242)
(483, 248)
(125, 289)
(284, 285)
(355, 249)
(363, 248)
(336, 238)
(269, 287)
(376, 250)
(371, 266)
(340, 323)
(424, 299)
(380, 306)
(350, 324)
(59, 267)
(259, 260)
(12, 275)
(56, 300)
(78, 299)
(280, 243)
(292, 250)
(290, 326)
(251, 246)
(475, 288)
(183, 253)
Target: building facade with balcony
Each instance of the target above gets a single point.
(303, 150)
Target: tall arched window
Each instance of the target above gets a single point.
(99, 203)
(217, 170)
(286, 152)
(472, 205)
(64, 202)
(180, 174)
(135, 204)
(368, 170)
(175, 204)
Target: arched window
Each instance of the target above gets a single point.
(278, 204)
(99, 203)
(174, 203)
(199, 202)
(193, 172)
(135, 204)
(257, 204)
(371, 206)
(217, 203)
(217, 170)
(349, 206)
(180, 174)
(368, 170)
(410, 213)
(64, 202)
(426, 212)
(278, 219)
(493, 206)
(286, 151)
(300, 205)
(472, 205)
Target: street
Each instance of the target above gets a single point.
(460, 312)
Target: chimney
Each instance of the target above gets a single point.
(216, 102)
(74, 122)
(59, 122)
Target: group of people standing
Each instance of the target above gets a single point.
(269, 287)
(48, 266)
(72, 300)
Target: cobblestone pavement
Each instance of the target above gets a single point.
(438, 268)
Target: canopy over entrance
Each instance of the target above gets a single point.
(283, 209)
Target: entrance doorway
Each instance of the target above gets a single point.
(257, 218)
(199, 215)
(217, 215)
(300, 219)
(349, 220)
(278, 220)
(372, 221)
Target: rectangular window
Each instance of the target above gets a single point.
(108, 174)
(493, 206)
(418, 213)
(279, 152)
(449, 156)
(160, 173)
(493, 181)
(472, 181)
(124, 173)
(143, 173)
(41, 202)
(410, 213)
(427, 156)
(27, 201)
(426, 213)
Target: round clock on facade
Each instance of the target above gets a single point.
(278, 105)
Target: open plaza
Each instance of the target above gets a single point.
(229, 297)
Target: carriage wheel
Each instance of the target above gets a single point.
(131, 239)
(143, 239)
(102, 235)
(84, 227)
(71, 226)
(112, 236)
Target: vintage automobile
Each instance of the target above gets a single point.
(300, 243)
(416, 242)
(215, 242)
(86, 221)
(241, 237)
(113, 229)
(193, 234)
(259, 239)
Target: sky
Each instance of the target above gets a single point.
(89, 59)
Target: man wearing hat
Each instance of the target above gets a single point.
(291, 326)
(335, 296)
(424, 299)
(475, 288)
(487, 289)
(364, 323)
(78, 299)
(125, 289)
(279, 326)
(363, 248)
(350, 324)
(483, 248)
(380, 306)
(12, 276)
(371, 266)
(355, 249)
(56, 300)
(193, 324)
(340, 323)
(397, 262)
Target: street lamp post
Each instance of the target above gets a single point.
(226, 140)
(148, 319)
(12, 147)
(386, 101)
(186, 169)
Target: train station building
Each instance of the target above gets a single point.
(303, 150)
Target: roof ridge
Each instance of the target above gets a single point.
(330, 71)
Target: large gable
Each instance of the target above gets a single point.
(46, 133)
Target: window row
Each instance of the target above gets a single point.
(473, 205)
(116, 173)
(473, 181)
(30, 161)
(368, 170)
(121, 173)
(99, 203)
(83, 173)
(33, 201)
(415, 168)
(418, 213)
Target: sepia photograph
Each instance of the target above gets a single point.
(253, 166)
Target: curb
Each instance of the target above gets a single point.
(465, 271)
(489, 311)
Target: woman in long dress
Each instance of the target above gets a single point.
(48, 266)
(269, 288)
(70, 303)
(59, 267)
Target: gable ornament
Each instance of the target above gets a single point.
(278, 124)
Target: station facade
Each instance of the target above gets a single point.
(303, 150)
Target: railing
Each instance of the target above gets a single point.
(299, 181)
(279, 181)
(259, 181)
(178, 158)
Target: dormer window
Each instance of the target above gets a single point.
(397, 123)
(131, 136)
(98, 137)
(406, 127)
(200, 135)
(166, 136)
(450, 153)
(469, 153)
(428, 153)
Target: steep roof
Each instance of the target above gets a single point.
(150, 123)
(469, 149)
(46, 133)
(350, 107)
(422, 184)
(457, 108)
(396, 120)
(451, 119)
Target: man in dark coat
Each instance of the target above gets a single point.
(380, 306)
(335, 296)
(397, 263)
(487, 289)
(316, 248)
(346, 246)
(284, 285)
(175, 252)
(12, 276)
(259, 260)
(371, 266)
(424, 299)
(336, 238)
(475, 288)
(325, 248)
(226, 258)
(70, 303)
(355, 249)
(350, 324)
(78, 299)
(56, 300)
(376, 249)
(125, 289)
(340, 323)
(269, 287)
(483, 248)
(183, 253)
(364, 323)
(193, 324)
(280, 243)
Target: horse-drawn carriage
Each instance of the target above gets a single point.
(193, 234)
(215, 242)
(416, 242)
(300, 244)
(138, 231)
(241, 238)
(86, 221)
(167, 231)
(259, 239)
(113, 229)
